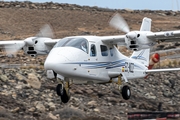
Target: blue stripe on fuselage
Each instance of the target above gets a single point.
(107, 65)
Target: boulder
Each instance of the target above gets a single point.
(40, 107)
(33, 81)
(4, 78)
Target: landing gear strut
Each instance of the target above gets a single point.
(63, 92)
(125, 90)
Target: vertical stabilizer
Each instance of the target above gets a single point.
(141, 56)
(146, 24)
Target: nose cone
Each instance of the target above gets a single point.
(131, 35)
(54, 60)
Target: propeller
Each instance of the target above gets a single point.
(46, 31)
(11, 50)
(118, 22)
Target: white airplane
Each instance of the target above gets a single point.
(95, 59)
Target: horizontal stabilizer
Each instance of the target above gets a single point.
(162, 70)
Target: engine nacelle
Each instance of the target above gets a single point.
(35, 46)
(137, 40)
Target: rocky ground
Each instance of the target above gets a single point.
(26, 93)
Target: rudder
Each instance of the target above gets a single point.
(146, 24)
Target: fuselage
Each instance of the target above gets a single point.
(86, 59)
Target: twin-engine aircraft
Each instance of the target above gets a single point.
(96, 59)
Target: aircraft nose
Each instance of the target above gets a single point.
(54, 61)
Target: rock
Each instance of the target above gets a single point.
(40, 107)
(33, 81)
(116, 118)
(112, 100)
(1, 72)
(32, 109)
(20, 77)
(150, 96)
(96, 110)
(129, 10)
(4, 78)
(89, 91)
(162, 14)
(66, 113)
(166, 82)
(14, 95)
(124, 104)
(167, 93)
(2, 108)
(78, 91)
(52, 106)
(15, 110)
(52, 117)
(92, 103)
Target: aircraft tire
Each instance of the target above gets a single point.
(126, 92)
(59, 90)
(65, 97)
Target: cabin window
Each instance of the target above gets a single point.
(104, 50)
(111, 51)
(93, 50)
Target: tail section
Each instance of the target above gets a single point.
(141, 56)
(146, 24)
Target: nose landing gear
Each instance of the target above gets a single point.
(62, 90)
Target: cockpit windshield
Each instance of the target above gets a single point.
(76, 42)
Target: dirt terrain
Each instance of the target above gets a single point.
(26, 93)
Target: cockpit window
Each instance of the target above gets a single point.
(76, 42)
(104, 50)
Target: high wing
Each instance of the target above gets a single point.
(16, 43)
(115, 40)
(9, 44)
(152, 37)
(138, 40)
(168, 36)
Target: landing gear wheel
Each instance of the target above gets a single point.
(126, 92)
(59, 89)
(65, 96)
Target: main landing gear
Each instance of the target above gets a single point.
(62, 90)
(125, 90)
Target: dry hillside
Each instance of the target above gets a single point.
(26, 93)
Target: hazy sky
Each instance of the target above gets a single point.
(122, 4)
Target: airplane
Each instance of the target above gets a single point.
(96, 59)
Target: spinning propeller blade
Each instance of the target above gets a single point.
(119, 23)
(46, 31)
(13, 49)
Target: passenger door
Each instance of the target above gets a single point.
(93, 59)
